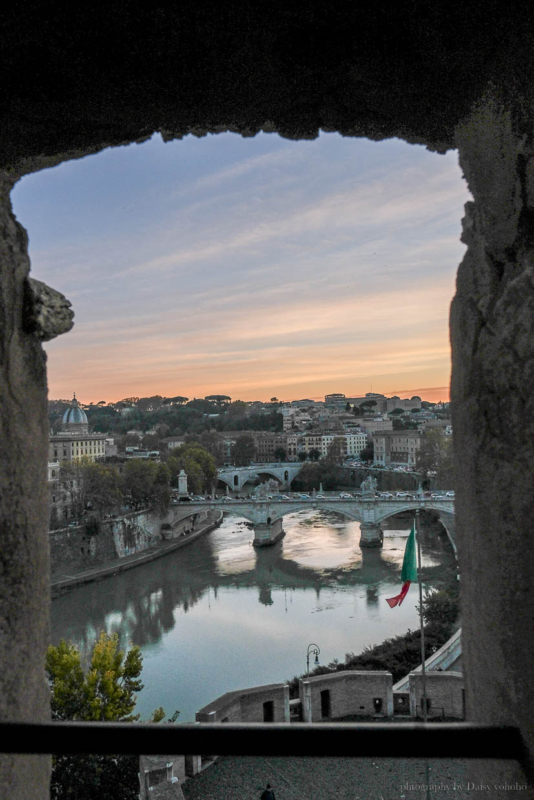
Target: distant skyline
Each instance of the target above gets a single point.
(253, 267)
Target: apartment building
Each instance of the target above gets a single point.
(396, 447)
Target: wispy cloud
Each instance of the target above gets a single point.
(288, 267)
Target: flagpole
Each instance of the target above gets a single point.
(419, 567)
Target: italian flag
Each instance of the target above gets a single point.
(409, 570)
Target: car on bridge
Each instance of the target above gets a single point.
(345, 496)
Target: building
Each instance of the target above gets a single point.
(335, 399)
(396, 447)
(376, 425)
(353, 442)
(74, 442)
(406, 405)
(57, 499)
(267, 444)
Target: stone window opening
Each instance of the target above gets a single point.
(493, 136)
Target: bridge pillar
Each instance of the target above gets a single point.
(371, 535)
(267, 533)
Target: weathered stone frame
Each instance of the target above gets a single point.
(493, 402)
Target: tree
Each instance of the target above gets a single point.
(169, 401)
(280, 454)
(302, 456)
(150, 441)
(441, 608)
(138, 481)
(314, 454)
(336, 451)
(236, 409)
(243, 450)
(101, 487)
(368, 453)
(397, 412)
(198, 464)
(73, 486)
(107, 693)
(220, 399)
(161, 489)
(435, 455)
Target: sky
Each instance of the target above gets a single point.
(252, 267)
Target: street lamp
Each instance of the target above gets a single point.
(315, 650)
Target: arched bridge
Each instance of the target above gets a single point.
(266, 514)
(236, 477)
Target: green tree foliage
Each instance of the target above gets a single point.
(244, 450)
(204, 406)
(313, 474)
(162, 489)
(314, 454)
(102, 487)
(236, 409)
(106, 693)
(335, 453)
(72, 485)
(368, 453)
(280, 454)
(436, 455)
(442, 608)
(108, 690)
(198, 464)
(138, 481)
(220, 399)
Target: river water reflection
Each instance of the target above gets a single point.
(220, 615)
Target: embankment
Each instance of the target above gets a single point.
(121, 543)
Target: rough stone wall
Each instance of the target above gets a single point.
(24, 591)
(444, 691)
(230, 710)
(78, 81)
(252, 704)
(492, 327)
(351, 693)
(73, 550)
(247, 705)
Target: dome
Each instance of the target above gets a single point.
(75, 415)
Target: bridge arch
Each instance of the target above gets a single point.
(410, 506)
(187, 512)
(343, 511)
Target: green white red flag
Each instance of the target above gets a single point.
(409, 570)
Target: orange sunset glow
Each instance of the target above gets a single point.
(253, 268)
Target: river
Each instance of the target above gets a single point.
(221, 615)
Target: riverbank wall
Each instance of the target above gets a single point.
(78, 556)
